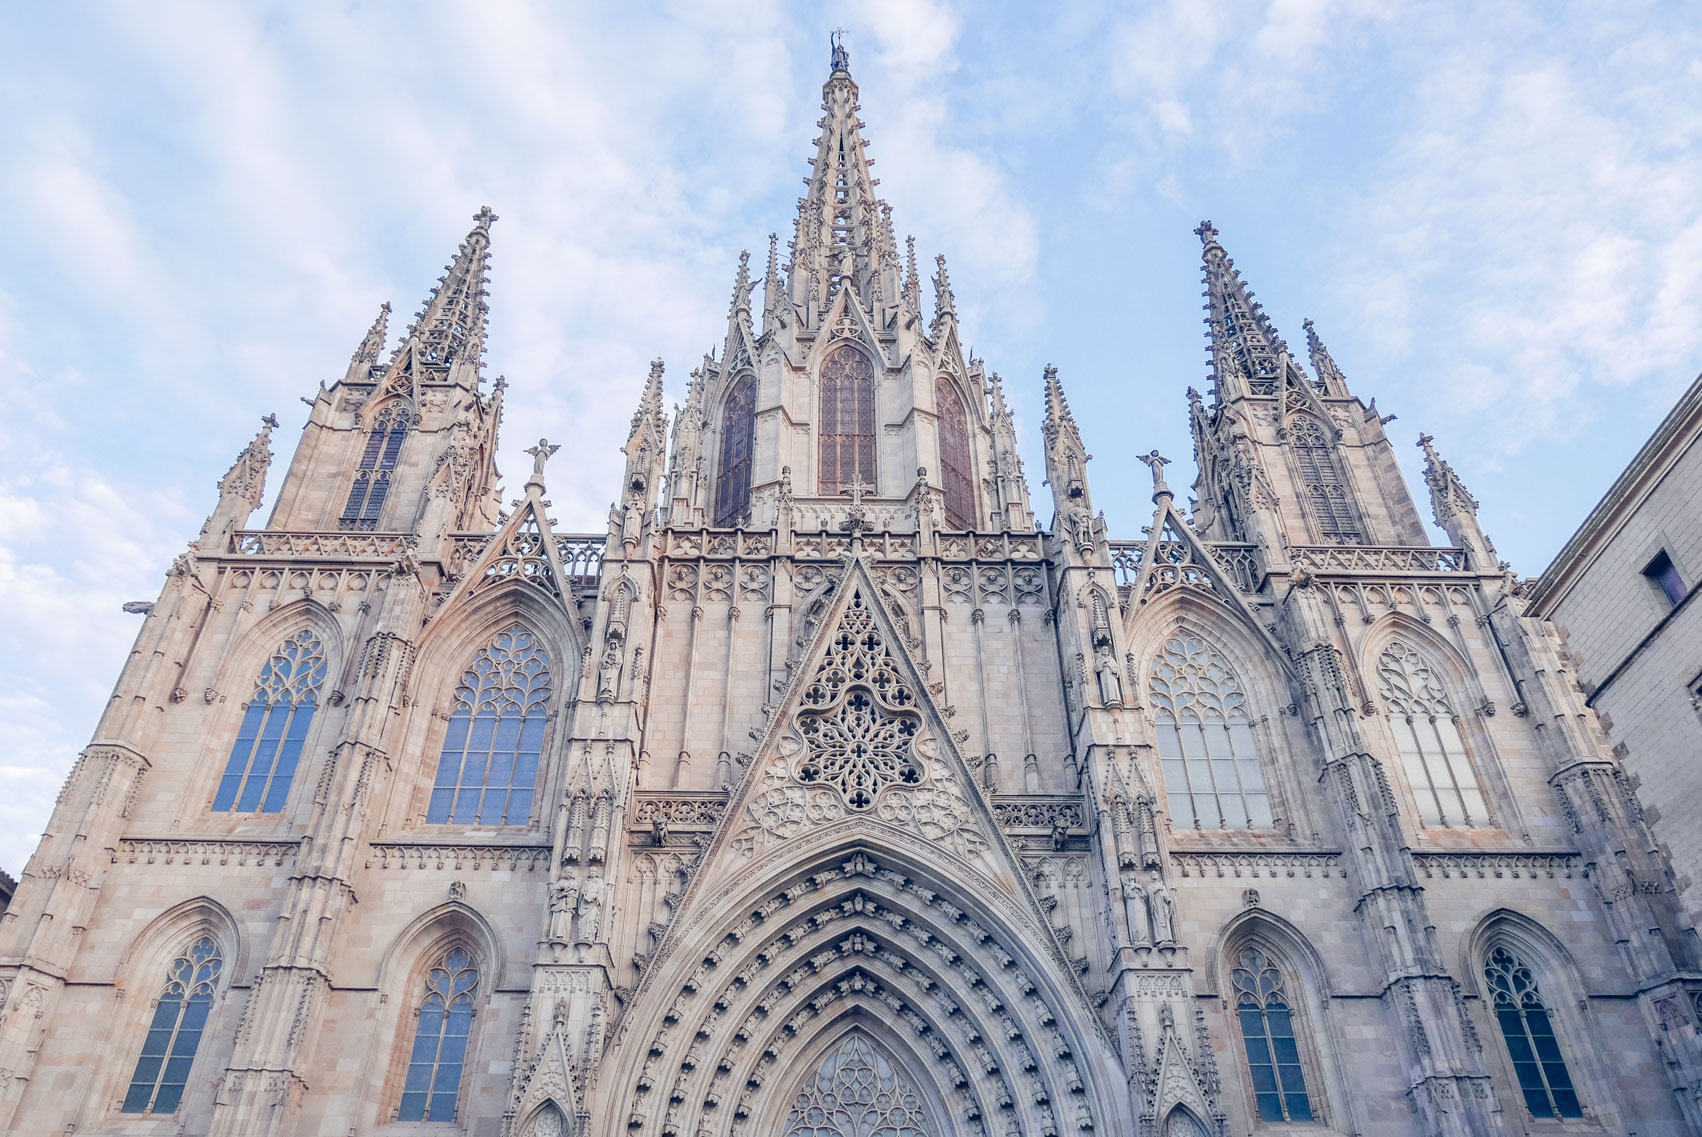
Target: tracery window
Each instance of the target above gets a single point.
(1267, 1031)
(738, 436)
(1326, 488)
(488, 769)
(1428, 735)
(174, 1033)
(847, 421)
(274, 727)
(1212, 775)
(443, 1023)
(956, 463)
(377, 464)
(1529, 1034)
(856, 1092)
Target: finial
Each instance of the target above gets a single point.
(1207, 232)
(1156, 463)
(944, 302)
(483, 218)
(655, 370)
(270, 422)
(841, 59)
(742, 284)
(540, 454)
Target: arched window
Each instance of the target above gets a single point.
(856, 1092)
(1267, 1031)
(1212, 776)
(1325, 487)
(442, 1024)
(274, 726)
(1529, 1035)
(738, 435)
(1432, 752)
(847, 421)
(956, 465)
(489, 765)
(174, 1033)
(372, 476)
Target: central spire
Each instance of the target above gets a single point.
(842, 237)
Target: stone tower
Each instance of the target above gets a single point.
(827, 793)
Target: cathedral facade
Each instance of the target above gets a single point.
(833, 792)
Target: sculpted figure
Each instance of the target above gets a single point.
(1163, 914)
(1134, 908)
(564, 896)
(590, 908)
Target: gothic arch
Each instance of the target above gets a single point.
(1334, 517)
(848, 414)
(549, 1119)
(235, 672)
(430, 932)
(955, 433)
(867, 1018)
(734, 450)
(163, 935)
(854, 924)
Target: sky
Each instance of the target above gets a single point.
(1493, 212)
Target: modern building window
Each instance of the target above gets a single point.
(1529, 1035)
(1325, 487)
(1427, 732)
(443, 1023)
(1663, 574)
(174, 1033)
(738, 436)
(1212, 776)
(1267, 1032)
(274, 728)
(847, 421)
(956, 464)
(377, 464)
(488, 769)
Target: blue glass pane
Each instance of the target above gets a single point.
(250, 728)
(136, 1101)
(501, 769)
(166, 1100)
(195, 1014)
(467, 806)
(226, 797)
(1566, 1103)
(177, 1070)
(507, 736)
(1270, 1107)
(1299, 1107)
(441, 800)
(519, 808)
(1168, 744)
(456, 737)
(480, 736)
(526, 770)
(299, 722)
(532, 737)
(413, 1104)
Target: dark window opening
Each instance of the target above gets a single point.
(1663, 574)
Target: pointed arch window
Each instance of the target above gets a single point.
(174, 1033)
(488, 769)
(956, 462)
(443, 1023)
(847, 421)
(856, 1092)
(1212, 776)
(738, 438)
(377, 465)
(1428, 735)
(1529, 1035)
(263, 759)
(1267, 1031)
(1325, 487)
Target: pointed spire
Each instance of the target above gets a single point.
(1454, 508)
(773, 291)
(651, 413)
(367, 354)
(912, 279)
(451, 327)
(1057, 407)
(246, 479)
(742, 288)
(1245, 349)
(945, 304)
(1323, 365)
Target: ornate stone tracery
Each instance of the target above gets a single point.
(856, 1092)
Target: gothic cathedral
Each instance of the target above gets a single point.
(827, 794)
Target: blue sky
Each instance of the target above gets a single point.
(1493, 212)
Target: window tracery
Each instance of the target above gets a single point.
(1428, 736)
(1212, 775)
(377, 465)
(738, 437)
(274, 728)
(174, 1033)
(1529, 1035)
(443, 1023)
(1326, 488)
(488, 768)
(1267, 1031)
(956, 460)
(847, 421)
(856, 1092)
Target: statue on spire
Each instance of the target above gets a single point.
(1156, 463)
(841, 60)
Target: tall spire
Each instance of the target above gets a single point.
(741, 303)
(1008, 481)
(241, 488)
(1454, 508)
(1323, 365)
(773, 291)
(912, 279)
(840, 220)
(451, 327)
(945, 303)
(366, 355)
(1245, 349)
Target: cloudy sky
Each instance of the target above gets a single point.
(1493, 211)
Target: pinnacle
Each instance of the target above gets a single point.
(451, 325)
(372, 346)
(1057, 407)
(945, 304)
(742, 284)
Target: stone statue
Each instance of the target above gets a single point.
(1163, 914)
(1134, 908)
(564, 896)
(1110, 683)
(609, 671)
(590, 908)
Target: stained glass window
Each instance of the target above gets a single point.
(1267, 1030)
(274, 727)
(847, 421)
(956, 464)
(174, 1033)
(443, 1022)
(1427, 733)
(372, 476)
(488, 768)
(856, 1092)
(1529, 1034)
(1212, 776)
(1325, 487)
(738, 434)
